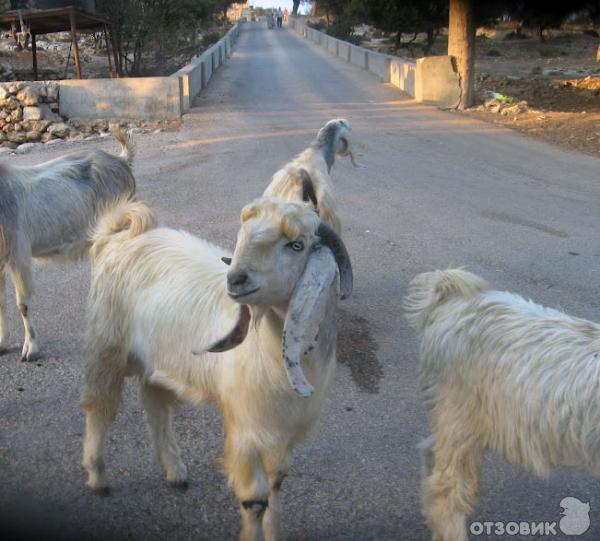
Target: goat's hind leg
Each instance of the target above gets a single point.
(20, 269)
(101, 398)
(452, 458)
(158, 403)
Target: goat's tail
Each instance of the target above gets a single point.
(429, 290)
(125, 139)
(124, 217)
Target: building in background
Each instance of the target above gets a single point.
(239, 10)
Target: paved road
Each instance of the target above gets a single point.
(438, 190)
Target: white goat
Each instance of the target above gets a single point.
(46, 212)
(307, 176)
(499, 372)
(158, 294)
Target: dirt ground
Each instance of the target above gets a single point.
(559, 79)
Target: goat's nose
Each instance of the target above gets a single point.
(237, 278)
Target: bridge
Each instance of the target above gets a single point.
(438, 189)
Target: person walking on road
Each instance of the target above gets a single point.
(279, 17)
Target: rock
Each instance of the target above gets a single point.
(3, 137)
(32, 113)
(10, 103)
(37, 125)
(9, 144)
(28, 96)
(46, 137)
(15, 87)
(51, 92)
(48, 114)
(26, 147)
(59, 130)
(33, 136)
(3, 92)
(16, 115)
(493, 105)
(17, 126)
(17, 137)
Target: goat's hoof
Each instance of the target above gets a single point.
(30, 358)
(182, 485)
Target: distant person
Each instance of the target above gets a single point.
(286, 14)
(270, 20)
(279, 18)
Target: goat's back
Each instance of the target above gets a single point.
(63, 196)
(532, 372)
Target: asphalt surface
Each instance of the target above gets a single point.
(437, 190)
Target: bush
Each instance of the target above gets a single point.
(210, 38)
(317, 25)
(343, 30)
(514, 35)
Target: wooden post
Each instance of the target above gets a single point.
(461, 45)
(74, 41)
(108, 51)
(34, 56)
(115, 48)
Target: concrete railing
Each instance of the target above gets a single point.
(195, 75)
(146, 98)
(429, 79)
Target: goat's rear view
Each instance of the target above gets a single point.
(47, 212)
(502, 373)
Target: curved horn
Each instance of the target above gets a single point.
(331, 239)
(237, 334)
(305, 313)
(308, 188)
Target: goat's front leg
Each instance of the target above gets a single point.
(277, 464)
(249, 481)
(22, 279)
(158, 403)
(3, 320)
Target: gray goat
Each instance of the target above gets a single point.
(47, 212)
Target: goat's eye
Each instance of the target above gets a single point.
(297, 245)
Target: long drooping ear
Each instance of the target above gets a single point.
(305, 312)
(308, 188)
(235, 337)
(331, 239)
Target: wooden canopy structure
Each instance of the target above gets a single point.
(48, 21)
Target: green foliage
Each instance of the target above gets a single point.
(153, 34)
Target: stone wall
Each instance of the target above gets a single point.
(29, 113)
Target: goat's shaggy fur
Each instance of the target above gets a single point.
(503, 373)
(46, 213)
(157, 295)
(317, 160)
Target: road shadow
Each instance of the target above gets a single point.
(357, 349)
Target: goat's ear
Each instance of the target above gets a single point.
(226, 260)
(306, 310)
(308, 188)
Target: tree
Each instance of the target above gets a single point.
(461, 45)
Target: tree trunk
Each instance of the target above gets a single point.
(295, 7)
(461, 45)
(315, 7)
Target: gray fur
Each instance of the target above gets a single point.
(328, 140)
(47, 211)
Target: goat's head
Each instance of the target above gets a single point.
(334, 139)
(286, 258)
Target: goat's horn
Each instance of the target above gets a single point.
(331, 239)
(308, 188)
(237, 334)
